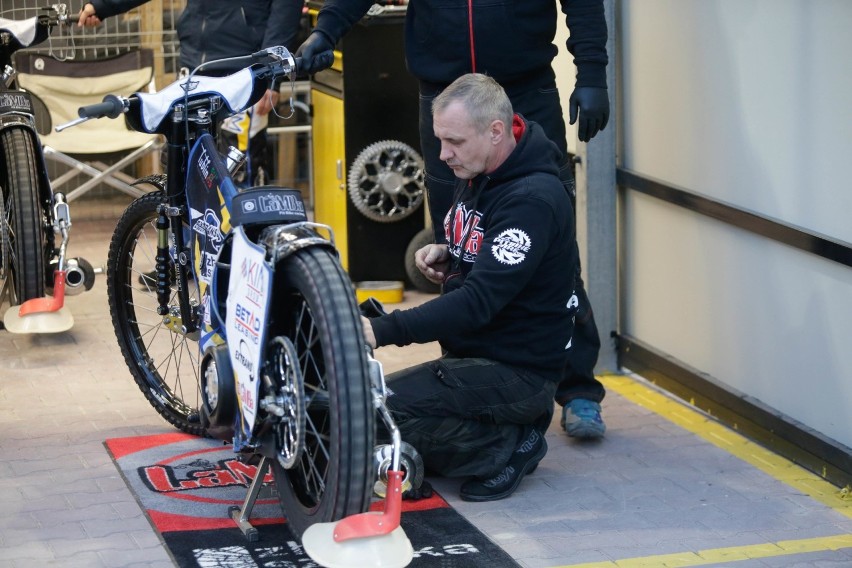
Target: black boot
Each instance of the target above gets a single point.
(524, 460)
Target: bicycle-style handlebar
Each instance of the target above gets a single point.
(265, 66)
(30, 31)
(268, 56)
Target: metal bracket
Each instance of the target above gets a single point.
(241, 515)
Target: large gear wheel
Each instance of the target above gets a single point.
(386, 181)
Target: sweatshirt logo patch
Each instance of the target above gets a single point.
(511, 246)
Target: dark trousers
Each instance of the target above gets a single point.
(466, 416)
(537, 99)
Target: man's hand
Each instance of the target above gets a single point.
(87, 16)
(368, 332)
(317, 53)
(265, 105)
(592, 103)
(433, 261)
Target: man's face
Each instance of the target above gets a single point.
(465, 150)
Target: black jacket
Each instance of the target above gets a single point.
(510, 297)
(511, 39)
(214, 29)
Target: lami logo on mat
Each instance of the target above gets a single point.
(199, 474)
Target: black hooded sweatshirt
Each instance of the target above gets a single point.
(510, 295)
(510, 40)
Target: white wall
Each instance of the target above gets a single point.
(748, 102)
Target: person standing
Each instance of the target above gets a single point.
(504, 320)
(216, 29)
(511, 41)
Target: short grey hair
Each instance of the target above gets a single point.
(482, 97)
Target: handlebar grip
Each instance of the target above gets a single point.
(297, 66)
(111, 107)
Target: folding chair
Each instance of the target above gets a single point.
(65, 86)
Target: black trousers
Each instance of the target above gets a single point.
(466, 416)
(537, 99)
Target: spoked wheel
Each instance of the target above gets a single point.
(316, 309)
(22, 220)
(163, 359)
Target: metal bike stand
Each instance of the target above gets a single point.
(241, 515)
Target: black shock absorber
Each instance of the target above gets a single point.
(162, 260)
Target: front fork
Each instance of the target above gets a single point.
(389, 475)
(169, 224)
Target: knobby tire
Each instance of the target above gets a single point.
(163, 361)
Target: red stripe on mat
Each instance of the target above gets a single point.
(120, 447)
(166, 522)
(433, 502)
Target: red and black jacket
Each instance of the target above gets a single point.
(506, 39)
(509, 296)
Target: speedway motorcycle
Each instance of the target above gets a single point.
(238, 322)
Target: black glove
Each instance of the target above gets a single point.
(316, 53)
(593, 105)
(372, 308)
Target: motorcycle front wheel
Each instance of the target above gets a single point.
(162, 358)
(22, 236)
(315, 307)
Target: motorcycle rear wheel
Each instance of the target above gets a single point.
(163, 361)
(22, 233)
(315, 307)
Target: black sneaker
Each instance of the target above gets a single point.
(523, 461)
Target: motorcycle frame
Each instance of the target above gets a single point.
(192, 150)
(197, 174)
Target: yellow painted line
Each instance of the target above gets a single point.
(721, 436)
(732, 554)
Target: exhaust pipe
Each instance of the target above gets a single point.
(79, 276)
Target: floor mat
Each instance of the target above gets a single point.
(187, 484)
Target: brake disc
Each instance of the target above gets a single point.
(287, 402)
(386, 181)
